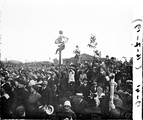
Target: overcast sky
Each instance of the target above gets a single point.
(30, 27)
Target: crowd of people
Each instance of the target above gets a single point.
(67, 92)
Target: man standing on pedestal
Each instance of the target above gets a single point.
(77, 55)
(61, 47)
(61, 40)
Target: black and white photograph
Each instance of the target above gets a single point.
(71, 59)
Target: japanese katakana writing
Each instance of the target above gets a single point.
(138, 45)
(137, 59)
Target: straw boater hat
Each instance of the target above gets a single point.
(79, 95)
(129, 81)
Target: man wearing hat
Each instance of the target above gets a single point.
(88, 72)
(101, 78)
(33, 102)
(46, 94)
(67, 113)
(85, 88)
(107, 61)
(20, 112)
(118, 110)
(72, 77)
(82, 76)
(6, 100)
(79, 105)
(77, 55)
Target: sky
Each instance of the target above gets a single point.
(29, 28)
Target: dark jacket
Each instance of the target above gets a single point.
(46, 96)
(104, 105)
(79, 105)
(70, 114)
(101, 80)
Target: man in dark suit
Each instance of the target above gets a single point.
(88, 72)
(85, 89)
(101, 78)
(6, 100)
(46, 95)
(79, 105)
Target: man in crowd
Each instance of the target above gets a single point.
(30, 97)
(72, 77)
(46, 94)
(67, 113)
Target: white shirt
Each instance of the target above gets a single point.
(71, 76)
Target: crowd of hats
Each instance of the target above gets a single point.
(38, 76)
